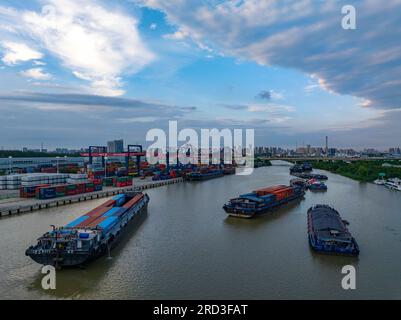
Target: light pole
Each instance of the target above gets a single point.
(105, 167)
(57, 162)
(10, 163)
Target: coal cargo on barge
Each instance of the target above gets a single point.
(328, 232)
(91, 235)
(262, 200)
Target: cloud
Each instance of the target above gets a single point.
(16, 52)
(270, 108)
(89, 103)
(236, 107)
(304, 35)
(153, 26)
(37, 74)
(97, 43)
(265, 95)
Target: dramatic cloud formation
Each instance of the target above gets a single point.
(99, 45)
(305, 35)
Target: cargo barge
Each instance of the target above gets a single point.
(263, 200)
(328, 233)
(316, 185)
(91, 235)
(204, 175)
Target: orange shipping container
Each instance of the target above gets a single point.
(134, 200)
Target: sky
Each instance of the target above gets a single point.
(79, 73)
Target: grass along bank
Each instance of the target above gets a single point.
(366, 171)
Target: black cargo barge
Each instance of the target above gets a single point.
(328, 233)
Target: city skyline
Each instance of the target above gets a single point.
(74, 75)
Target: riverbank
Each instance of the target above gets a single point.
(364, 171)
(20, 205)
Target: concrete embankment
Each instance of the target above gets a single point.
(19, 206)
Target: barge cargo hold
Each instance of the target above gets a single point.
(262, 200)
(328, 233)
(91, 235)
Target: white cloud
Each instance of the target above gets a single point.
(36, 73)
(97, 43)
(16, 52)
(271, 108)
(153, 26)
(178, 35)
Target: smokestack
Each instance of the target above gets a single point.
(327, 146)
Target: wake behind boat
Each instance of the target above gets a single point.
(91, 235)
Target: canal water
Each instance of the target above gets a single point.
(186, 247)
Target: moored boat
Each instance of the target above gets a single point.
(394, 184)
(262, 200)
(91, 235)
(328, 233)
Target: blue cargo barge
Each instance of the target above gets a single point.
(328, 233)
(91, 235)
(262, 201)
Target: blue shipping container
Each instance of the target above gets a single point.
(76, 222)
(107, 224)
(120, 199)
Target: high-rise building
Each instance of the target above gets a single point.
(115, 146)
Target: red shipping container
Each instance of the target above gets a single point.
(95, 222)
(99, 211)
(90, 189)
(133, 201)
(60, 189)
(87, 222)
(80, 188)
(109, 203)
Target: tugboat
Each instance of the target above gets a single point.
(316, 185)
(91, 235)
(306, 166)
(328, 233)
(320, 177)
(262, 200)
(296, 168)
